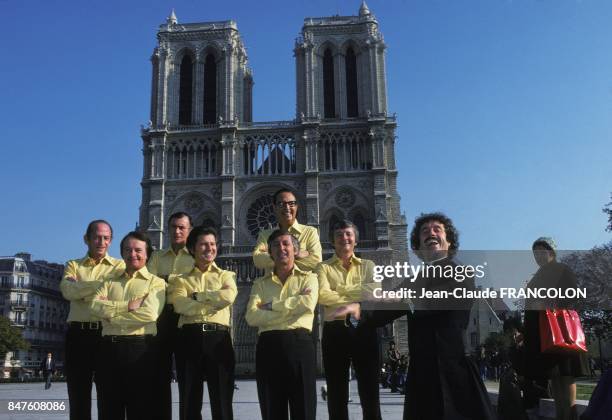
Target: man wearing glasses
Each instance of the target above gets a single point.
(285, 209)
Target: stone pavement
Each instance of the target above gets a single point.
(246, 406)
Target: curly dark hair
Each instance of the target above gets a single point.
(452, 234)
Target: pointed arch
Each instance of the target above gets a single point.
(332, 215)
(352, 107)
(210, 88)
(185, 89)
(329, 101)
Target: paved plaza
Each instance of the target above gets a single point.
(246, 406)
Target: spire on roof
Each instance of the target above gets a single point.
(171, 20)
(363, 9)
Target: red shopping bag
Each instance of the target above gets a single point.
(561, 332)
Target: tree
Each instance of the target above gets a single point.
(608, 210)
(497, 342)
(593, 269)
(10, 337)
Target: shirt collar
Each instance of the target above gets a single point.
(170, 250)
(296, 227)
(143, 273)
(213, 267)
(88, 261)
(354, 259)
(294, 271)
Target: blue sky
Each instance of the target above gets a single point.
(504, 110)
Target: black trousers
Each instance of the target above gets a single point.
(165, 343)
(126, 373)
(205, 356)
(340, 346)
(285, 373)
(82, 346)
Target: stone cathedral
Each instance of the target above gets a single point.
(204, 154)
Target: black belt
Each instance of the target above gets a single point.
(336, 322)
(295, 331)
(126, 338)
(206, 326)
(85, 325)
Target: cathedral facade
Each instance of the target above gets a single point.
(204, 155)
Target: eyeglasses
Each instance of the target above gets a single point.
(286, 204)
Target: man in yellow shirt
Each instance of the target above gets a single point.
(129, 305)
(203, 298)
(344, 280)
(82, 277)
(285, 208)
(282, 307)
(163, 263)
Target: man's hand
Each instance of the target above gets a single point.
(302, 254)
(102, 298)
(353, 309)
(305, 291)
(225, 287)
(265, 306)
(71, 279)
(136, 303)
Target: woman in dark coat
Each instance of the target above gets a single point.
(443, 383)
(561, 369)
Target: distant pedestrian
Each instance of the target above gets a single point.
(48, 368)
(592, 367)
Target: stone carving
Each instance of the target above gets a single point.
(345, 198)
(193, 203)
(154, 225)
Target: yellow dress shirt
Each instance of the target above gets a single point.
(89, 276)
(309, 241)
(339, 287)
(290, 310)
(165, 262)
(212, 304)
(116, 319)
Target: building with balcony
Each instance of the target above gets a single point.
(30, 298)
(204, 155)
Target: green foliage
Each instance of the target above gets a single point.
(10, 337)
(608, 210)
(593, 271)
(497, 342)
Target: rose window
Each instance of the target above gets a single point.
(261, 215)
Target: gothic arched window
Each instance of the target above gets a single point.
(359, 221)
(329, 103)
(210, 89)
(330, 225)
(351, 83)
(185, 89)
